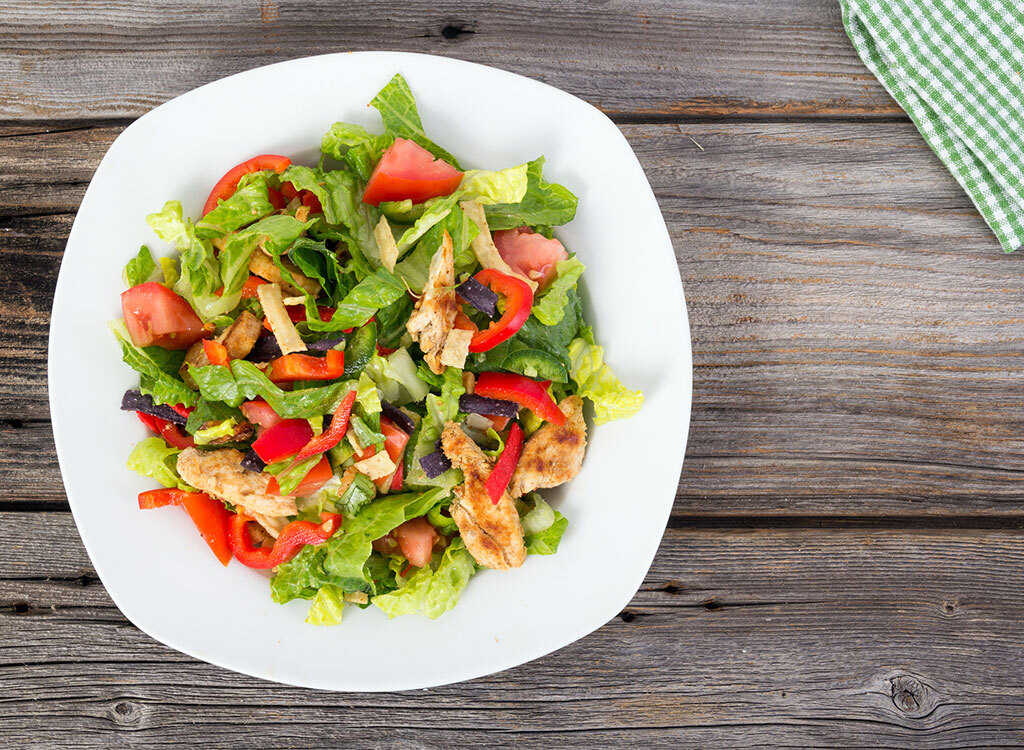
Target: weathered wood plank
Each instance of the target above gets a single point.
(855, 338)
(861, 637)
(669, 58)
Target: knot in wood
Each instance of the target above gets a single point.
(126, 713)
(911, 696)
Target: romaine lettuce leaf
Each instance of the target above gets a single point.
(355, 146)
(550, 308)
(157, 368)
(432, 591)
(327, 606)
(378, 290)
(207, 435)
(317, 262)
(488, 187)
(439, 411)
(355, 497)
(245, 206)
(395, 376)
(397, 109)
(544, 204)
(154, 458)
(245, 381)
(141, 268)
(596, 381)
(546, 542)
(415, 266)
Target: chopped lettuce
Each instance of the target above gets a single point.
(355, 146)
(141, 268)
(154, 458)
(398, 111)
(246, 205)
(550, 308)
(546, 542)
(544, 204)
(488, 187)
(292, 476)
(415, 266)
(378, 290)
(432, 591)
(327, 606)
(244, 381)
(395, 376)
(359, 492)
(596, 381)
(157, 368)
(216, 431)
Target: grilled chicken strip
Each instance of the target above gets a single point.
(219, 473)
(492, 533)
(554, 453)
(434, 316)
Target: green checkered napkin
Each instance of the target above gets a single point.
(957, 68)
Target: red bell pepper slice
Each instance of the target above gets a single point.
(293, 367)
(216, 352)
(501, 475)
(314, 480)
(284, 439)
(210, 516)
(333, 434)
(251, 285)
(398, 478)
(518, 301)
(308, 198)
(167, 430)
(289, 542)
(227, 184)
(521, 389)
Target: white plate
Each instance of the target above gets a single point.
(154, 564)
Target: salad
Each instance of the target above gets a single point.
(358, 375)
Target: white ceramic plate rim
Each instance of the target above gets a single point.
(157, 571)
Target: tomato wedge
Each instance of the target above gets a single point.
(314, 480)
(227, 184)
(293, 367)
(416, 539)
(156, 316)
(309, 200)
(407, 171)
(521, 389)
(210, 516)
(260, 413)
(518, 301)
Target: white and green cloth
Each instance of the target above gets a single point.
(957, 68)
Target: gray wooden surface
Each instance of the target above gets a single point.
(843, 563)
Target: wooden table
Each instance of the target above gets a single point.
(843, 563)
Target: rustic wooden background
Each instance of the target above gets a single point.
(843, 563)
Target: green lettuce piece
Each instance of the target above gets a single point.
(154, 458)
(546, 542)
(395, 376)
(293, 474)
(215, 432)
(439, 411)
(435, 210)
(248, 204)
(398, 111)
(544, 204)
(366, 394)
(365, 434)
(508, 185)
(157, 368)
(302, 576)
(348, 551)
(327, 606)
(141, 268)
(244, 381)
(378, 290)
(316, 261)
(432, 591)
(391, 320)
(169, 266)
(355, 146)
(355, 497)
(200, 270)
(595, 381)
(550, 308)
(210, 411)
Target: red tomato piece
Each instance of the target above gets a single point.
(156, 316)
(276, 199)
(286, 438)
(260, 413)
(416, 540)
(227, 184)
(407, 171)
(530, 254)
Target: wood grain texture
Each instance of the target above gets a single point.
(856, 342)
(859, 637)
(666, 58)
